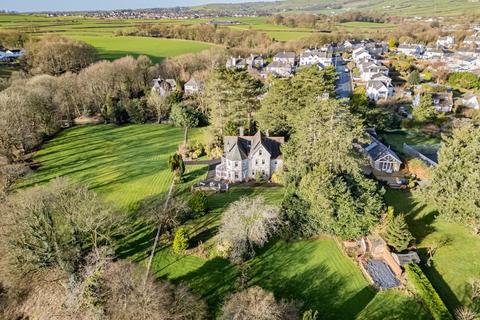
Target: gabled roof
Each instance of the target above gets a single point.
(241, 148)
(376, 84)
(285, 55)
(377, 150)
(280, 64)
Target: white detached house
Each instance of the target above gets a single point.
(245, 156)
(378, 90)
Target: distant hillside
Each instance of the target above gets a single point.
(392, 7)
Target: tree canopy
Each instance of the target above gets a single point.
(346, 205)
(57, 55)
(232, 96)
(287, 97)
(454, 185)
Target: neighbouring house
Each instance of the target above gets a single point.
(446, 42)
(247, 156)
(193, 86)
(461, 62)
(469, 52)
(360, 54)
(285, 57)
(382, 77)
(471, 100)
(236, 63)
(468, 41)
(410, 49)
(11, 54)
(381, 157)
(280, 69)
(255, 61)
(442, 100)
(433, 53)
(378, 90)
(376, 49)
(322, 58)
(164, 86)
(369, 68)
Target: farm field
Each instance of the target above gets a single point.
(88, 29)
(110, 47)
(454, 264)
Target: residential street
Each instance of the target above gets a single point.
(344, 83)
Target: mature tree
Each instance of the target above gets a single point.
(184, 117)
(119, 80)
(396, 232)
(287, 97)
(453, 187)
(464, 80)
(159, 106)
(180, 241)
(257, 303)
(104, 289)
(56, 55)
(137, 110)
(232, 96)
(324, 134)
(392, 43)
(372, 116)
(414, 78)
(29, 111)
(198, 202)
(176, 165)
(53, 225)
(129, 298)
(424, 111)
(296, 220)
(343, 204)
(247, 223)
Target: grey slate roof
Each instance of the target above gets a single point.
(285, 55)
(240, 148)
(377, 150)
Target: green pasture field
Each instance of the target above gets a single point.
(157, 49)
(456, 262)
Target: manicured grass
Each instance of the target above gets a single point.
(393, 305)
(455, 263)
(395, 139)
(126, 164)
(111, 47)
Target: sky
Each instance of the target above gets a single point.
(71, 5)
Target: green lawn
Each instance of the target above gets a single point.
(456, 263)
(127, 164)
(395, 139)
(111, 47)
(124, 163)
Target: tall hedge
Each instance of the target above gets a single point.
(426, 291)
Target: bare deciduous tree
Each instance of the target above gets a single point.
(257, 303)
(52, 226)
(245, 224)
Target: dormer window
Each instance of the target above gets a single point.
(236, 163)
(260, 152)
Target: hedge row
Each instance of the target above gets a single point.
(426, 291)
